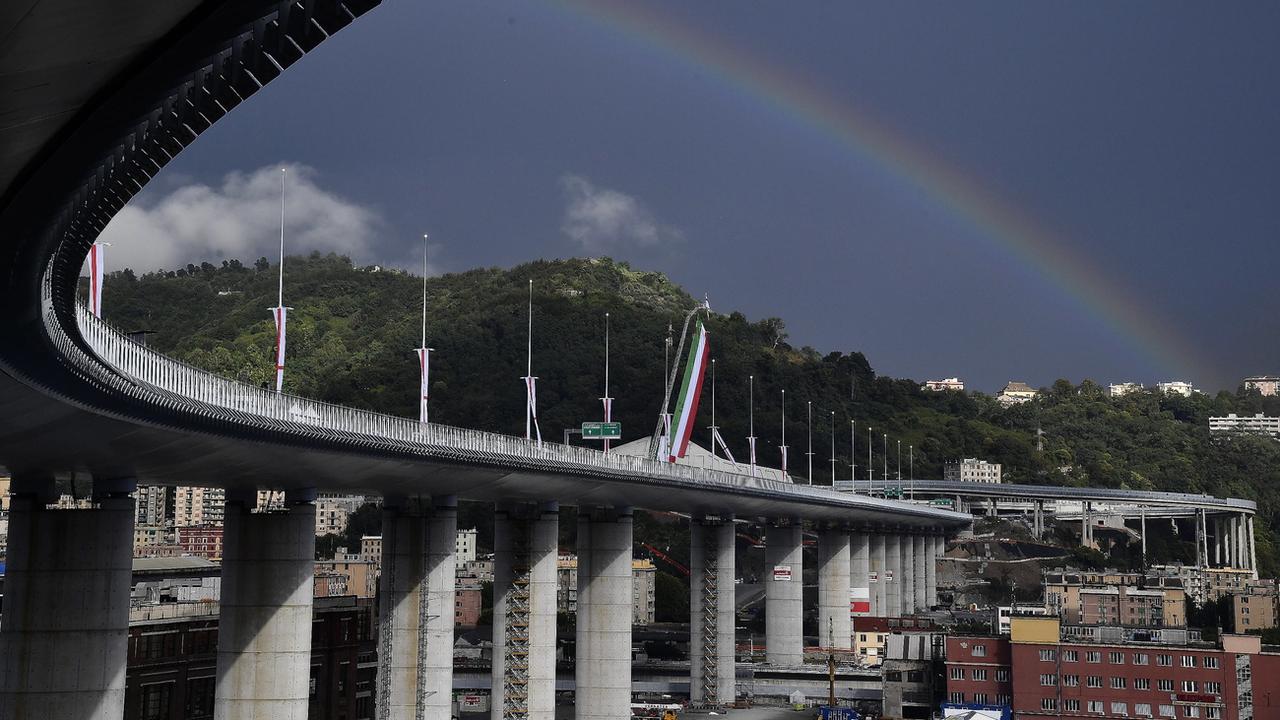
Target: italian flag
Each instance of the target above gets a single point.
(281, 314)
(695, 370)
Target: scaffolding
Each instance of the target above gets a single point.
(710, 619)
(515, 679)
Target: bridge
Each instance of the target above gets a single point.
(1222, 527)
(98, 98)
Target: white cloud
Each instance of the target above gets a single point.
(604, 221)
(239, 219)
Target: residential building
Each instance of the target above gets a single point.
(1266, 385)
(151, 505)
(331, 517)
(871, 634)
(643, 588)
(1036, 673)
(467, 602)
(1116, 598)
(200, 540)
(464, 546)
(195, 506)
(362, 576)
(1231, 424)
(941, 385)
(912, 672)
(1204, 585)
(1255, 607)
(148, 536)
(1122, 389)
(1176, 387)
(371, 549)
(1015, 392)
(972, 470)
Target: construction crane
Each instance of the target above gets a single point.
(658, 554)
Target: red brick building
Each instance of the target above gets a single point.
(1039, 676)
(200, 541)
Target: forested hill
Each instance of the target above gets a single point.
(352, 332)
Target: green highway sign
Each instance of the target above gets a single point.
(602, 430)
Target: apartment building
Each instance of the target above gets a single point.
(643, 588)
(1232, 424)
(1116, 598)
(972, 470)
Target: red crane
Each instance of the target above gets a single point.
(666, 558)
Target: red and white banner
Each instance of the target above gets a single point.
(751, 442)
(424, 366)
(664, 442)
(281, 316)
(715, 436)
(860, 600)
(97, 261)
(608, 417)
(784, 459)
(531, 392)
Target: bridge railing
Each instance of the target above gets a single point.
(185, 384)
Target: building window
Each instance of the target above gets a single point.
(1003, 699)
(1141, 659)
(1048, 680)
(1213, 713)
(1212, 687)
(1119, 708)
(1188, 661)
(1142, 709)
(957, 673)
(979, 650)
(1164, 660)
(1116, 658)
(1141, 683)
(1071, 680)
(155, 701)
(1002, 675)
(1093, 656)
(1048, 703)
(1070, 656)
(1191, 711)
(1117, 683)
(200, 698)
(980, 698)
(956, 697)
(1071, 705)
(1189, 686)
(1048, 655)
(1093, 681)
(1095, 706)
(1164, 685)
(980, 674)
(1166, 711)
(1211, 663)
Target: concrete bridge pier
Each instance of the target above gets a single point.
(264, 622)
(923, 561)
(783, 594)
(907, 588)
(603, 662)
(892, 575)
(933, 545)
(878, 566)
(834, 628)
(859, 572)
(1253, 549)
(712, 568)
(65, 634)
(525, 551)
(416, 597)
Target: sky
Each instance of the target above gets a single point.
(990, 190)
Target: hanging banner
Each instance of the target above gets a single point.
(690, 393)
(860, 600)
(424, 382)
(281, 316)
(784, 460)
(715, 436)
(531, 391)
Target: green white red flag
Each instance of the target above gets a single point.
(695, 370)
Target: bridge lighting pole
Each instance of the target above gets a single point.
(783, 446)
(713, 427)
(870, 470)
(751, 424)
(424, 352)
(886, 460)
(899, 468)
(608, 401)
(810, 452)
(911, 468)
(833, 449)
(853, 456)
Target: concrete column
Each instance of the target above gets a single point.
(526, 548)
(879, 588)
(1037, 519)
(712, 569)
(923, 562)
(604, 614)
(834, 629)
(892, 575)
(65, 633)
(931, 570)
(1217, 541)
(1237, 543)
(1253, 548)
(859, 571)
(907, 588)
(415, 654)
(264, 621)
(783, 595)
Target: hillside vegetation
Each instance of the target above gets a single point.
(352, 332)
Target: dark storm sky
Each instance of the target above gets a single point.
(1142, 137)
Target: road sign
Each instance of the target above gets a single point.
(601, 431)
(782, 573)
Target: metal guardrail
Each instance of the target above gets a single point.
(179, 385)
(1044, 492)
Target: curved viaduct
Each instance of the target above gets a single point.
(97, 98)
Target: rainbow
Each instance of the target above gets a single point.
(800, 100)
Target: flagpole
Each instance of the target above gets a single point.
(784, 434)
(853, 456)
(608, 401)
(281, 314)
(886, 460)
(869, 467)
(833, 449)
(713, 407)
(911, 458)
(424, 352)
(280, 289)
(899, 468)
(528, 370)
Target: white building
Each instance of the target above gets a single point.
(940, 385)
(464, 547)
(1122, 389)
(1234, 425)
(643, 588)
(971, 470)
(1264, 384)
(1176, 387)
(1015, 392)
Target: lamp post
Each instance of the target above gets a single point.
(810, 453)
